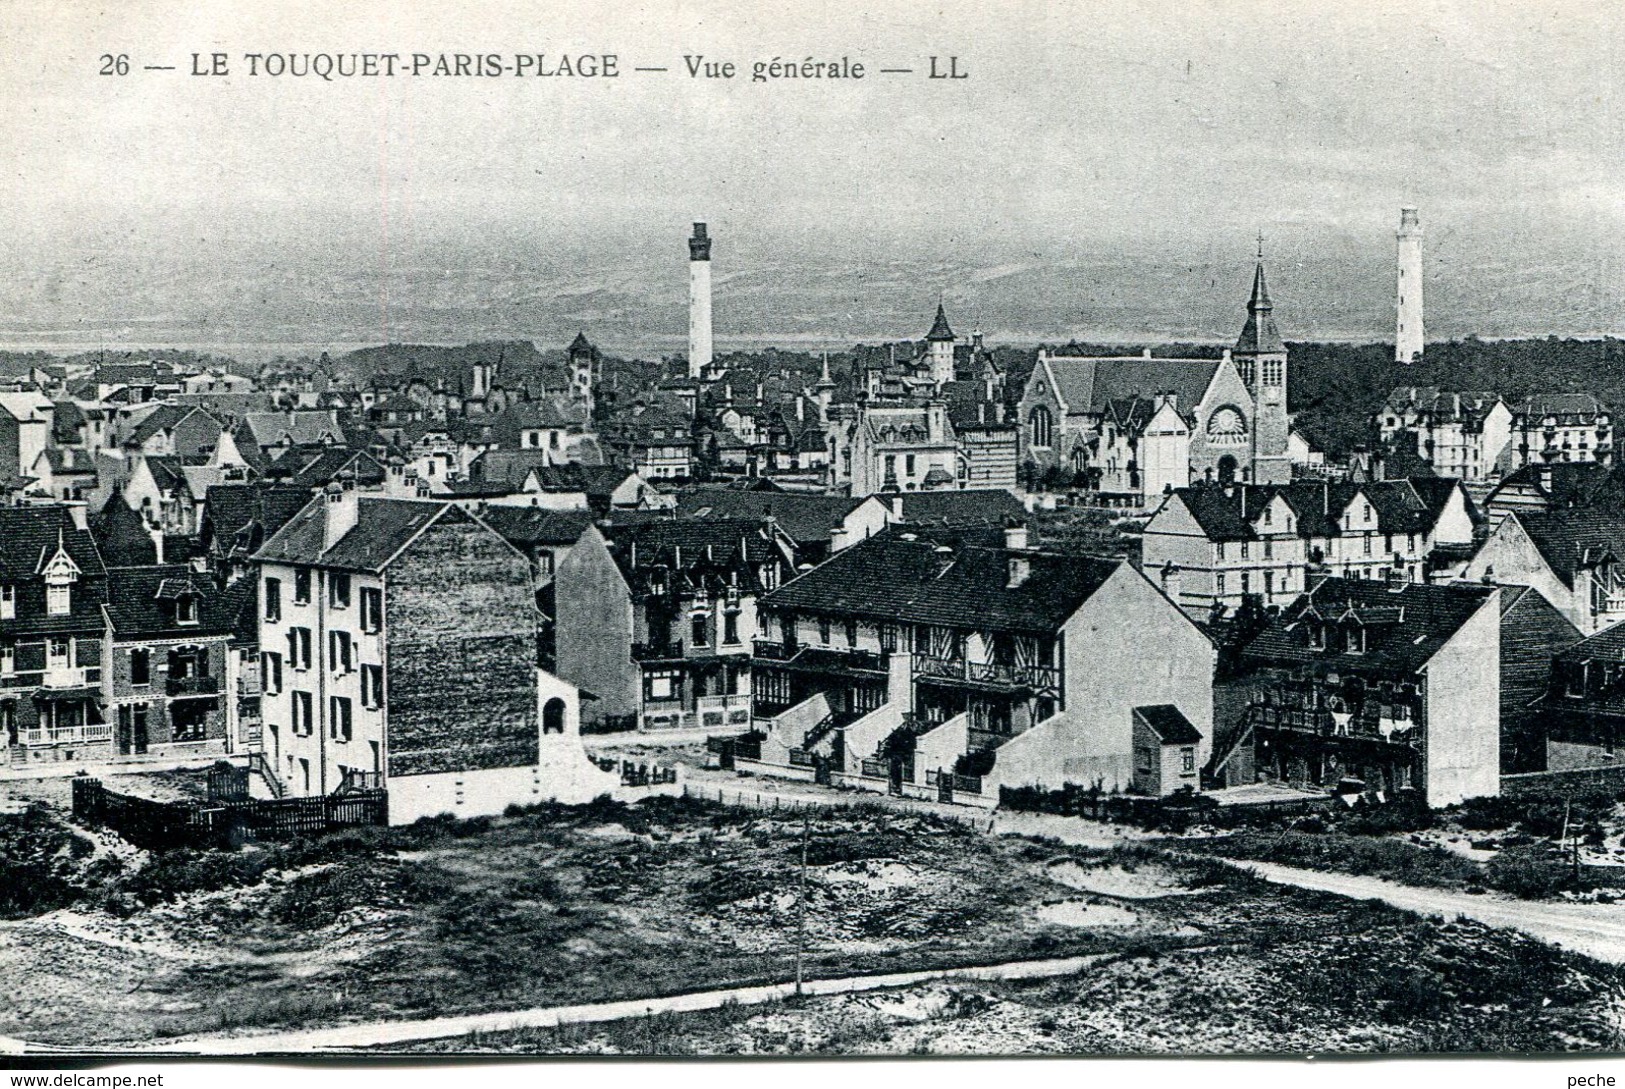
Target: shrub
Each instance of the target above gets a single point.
(1528, 873)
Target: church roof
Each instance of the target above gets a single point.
(579, 344)
(1259, 335)
(939, 328)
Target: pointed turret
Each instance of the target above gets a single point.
(1260, 336)
(579, 345)
(939, 328)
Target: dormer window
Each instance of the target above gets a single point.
(186, 609)
(58, 599)
(60, 574)
(1354, 639)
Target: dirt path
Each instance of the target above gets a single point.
(1597, 930)
(387, 1034)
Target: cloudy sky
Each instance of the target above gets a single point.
(1103, 172)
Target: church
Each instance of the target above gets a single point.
(1132, 428)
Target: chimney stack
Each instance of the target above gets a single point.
(699, 302)
(1015, 536)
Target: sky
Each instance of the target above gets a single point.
(1104, 172)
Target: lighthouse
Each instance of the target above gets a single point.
(699, 302)
(1408, 331)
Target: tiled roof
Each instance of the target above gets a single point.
(508, 466)
(303, 428)
(1568, 484)
(1231, 512)
(1405, 624)
(140, 601)
(907, 578)
(383, 527)
(1468, 406)
(1568, 408)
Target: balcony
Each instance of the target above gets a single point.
(998, 674)
(69, 677)
(775, 651)
(192, 686)
(66, 735)
(657, 652)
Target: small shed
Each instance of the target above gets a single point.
(1165, 751)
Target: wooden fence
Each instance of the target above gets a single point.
(160, 825)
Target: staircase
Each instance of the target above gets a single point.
(259, 765)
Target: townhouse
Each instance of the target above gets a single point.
(1460, 434)
(1384, 685)
(398, 647)
(950, 662)
(1216, 545)
(656, 618)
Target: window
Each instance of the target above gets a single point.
(59, 647)
(58, 599)
(1246, 550)
(188, 720)
(660, 685)
(304, 721)
(1269, 550)
(908, 465)
(301, 586)
(888, 638)
(372, 686)
(1269, 584)
(891, 466)
(698, 632)
(1040, 427)
(852, 633)
(730, 627)
(339, 652)
(186, 609)
(8, 658)
(340, 725)
(273, 599)
(8, 602)
(1187, 760)
(1219, 551)
(140, 666)
(1274, 372)
(338, 590)
(823, 630)
(299, 648)
(271, 672)
(372, 607)
(1365, 543)
(1246, 582)
(1219, 583)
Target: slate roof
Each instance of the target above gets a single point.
(1169, 724)
(1571, 539)
(1402, 506)
(804, 517)
(532, 526)
(1089, 384)
(510, 466)
(893, 578)
(1466, 406)
(1567, 484)
(988, 506)
(164, 418)
(939, 327)
(121, 535)
(1406, 624)
(238, 518)
(140, 602)
(304, 428)
(29, 536)
(1568, 408)
(383, 527)
(66, 422)
(1259, 335)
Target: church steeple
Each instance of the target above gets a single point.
(1259, 336)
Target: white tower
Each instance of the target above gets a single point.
(1408, 334)
(699, 302)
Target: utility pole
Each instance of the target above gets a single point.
(801, 907)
